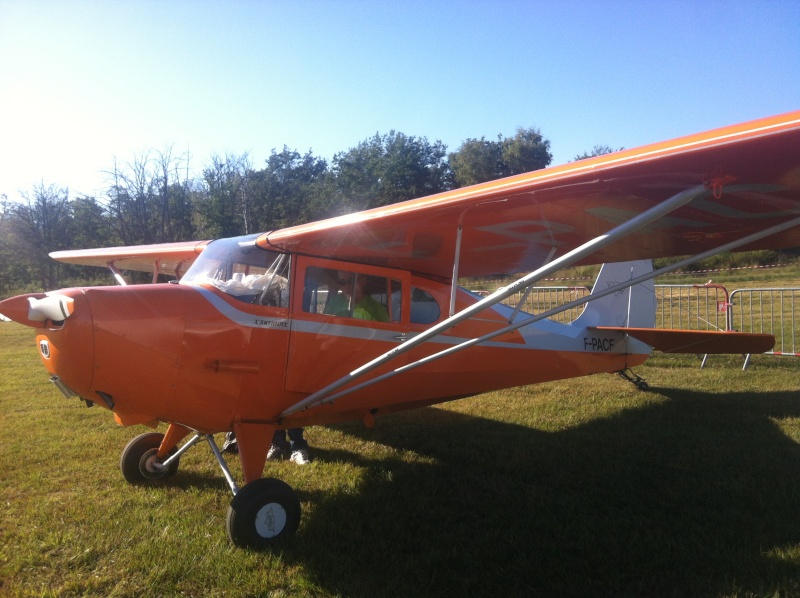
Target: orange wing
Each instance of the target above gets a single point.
(699, 341)
(752, 172)
(164, 258)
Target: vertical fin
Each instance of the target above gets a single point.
(633, 307)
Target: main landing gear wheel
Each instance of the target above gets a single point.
(139, 461)
(263, 514)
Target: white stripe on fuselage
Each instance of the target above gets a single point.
(543, 335)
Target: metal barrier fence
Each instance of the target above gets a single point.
(768, 311)
(692, 307)
(539, 299)
(684, 307)
(696, 307)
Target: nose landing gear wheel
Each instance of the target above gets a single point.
(139, 460)
(263, 514)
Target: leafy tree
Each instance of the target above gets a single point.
(477, 161)
(292, 189)
(525, 151)
(90, 225)
(597, 150)
(480, 160)
(389, 168)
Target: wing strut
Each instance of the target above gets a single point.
(456, 263)
(117, 274)
(618, 232)
(457, 254)
(320, 396)
(556, 310)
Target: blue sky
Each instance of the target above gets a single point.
(83, 83)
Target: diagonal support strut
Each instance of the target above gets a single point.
(618, 232)
(567, 306)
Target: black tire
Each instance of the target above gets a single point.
(263, 515)
(139, 456)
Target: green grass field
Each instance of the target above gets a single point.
(585, 487)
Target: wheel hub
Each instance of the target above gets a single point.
(150, 464)
(270, 520)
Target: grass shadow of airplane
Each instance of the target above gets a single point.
(685, 497)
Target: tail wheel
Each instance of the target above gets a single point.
(139, 460)
(263, 514)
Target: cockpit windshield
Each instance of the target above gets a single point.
(238, 267)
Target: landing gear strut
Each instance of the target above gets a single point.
(635, 379)
(263, 514)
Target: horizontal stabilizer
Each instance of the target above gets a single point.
(699, 341)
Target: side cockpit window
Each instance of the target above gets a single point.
(244, 271)
(352, 294)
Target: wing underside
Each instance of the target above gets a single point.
(172, 259)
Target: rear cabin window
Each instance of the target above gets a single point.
(424, 308)
(352, 294)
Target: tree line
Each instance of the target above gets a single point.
(156, 199)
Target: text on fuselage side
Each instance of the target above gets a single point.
(597, 344)
(271, 323)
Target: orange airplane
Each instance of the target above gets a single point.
(358, 316)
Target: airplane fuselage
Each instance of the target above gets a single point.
(199, 356)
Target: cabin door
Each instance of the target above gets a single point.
(343, 315)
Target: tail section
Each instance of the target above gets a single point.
(633, 307)
(632, 311)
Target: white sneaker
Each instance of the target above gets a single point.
(300, 457)
(276, 452)
(230, 446)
